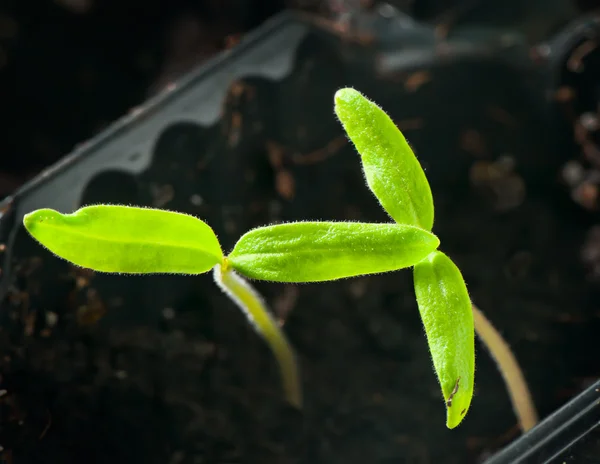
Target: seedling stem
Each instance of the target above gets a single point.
(251, 303)
(508, 366)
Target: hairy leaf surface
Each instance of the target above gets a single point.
(123, 239)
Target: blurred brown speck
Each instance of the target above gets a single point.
(586, 195)
(503, 187)
(590, 253)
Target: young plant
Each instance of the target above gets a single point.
(132, 240)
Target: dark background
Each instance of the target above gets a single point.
(69, 68)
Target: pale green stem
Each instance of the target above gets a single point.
(508, 366)
(251, 303)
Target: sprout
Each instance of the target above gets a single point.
(132, 240)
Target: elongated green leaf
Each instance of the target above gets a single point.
(393, 172)
(320, 251)
(446, 312)
(111, 238)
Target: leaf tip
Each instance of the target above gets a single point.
(435, 244)
(33, 219)
(457, 404)
(346, 95)
(347, 102)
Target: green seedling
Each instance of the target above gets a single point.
(133, 240)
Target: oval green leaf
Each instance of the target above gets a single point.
(445, 309)
(392, 171)
(322, 251)
(123, 239)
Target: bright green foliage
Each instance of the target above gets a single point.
(445, 309)
(393, 172)
(398, 181)
(127, 240)
(139, 240)
(320, 251)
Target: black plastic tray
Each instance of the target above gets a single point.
(570, 435)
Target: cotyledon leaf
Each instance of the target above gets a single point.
(446, 312)
(123, 239)
(392, 171)
(321, 251)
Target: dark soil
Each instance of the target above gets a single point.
(70, 67)
(163, 369)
